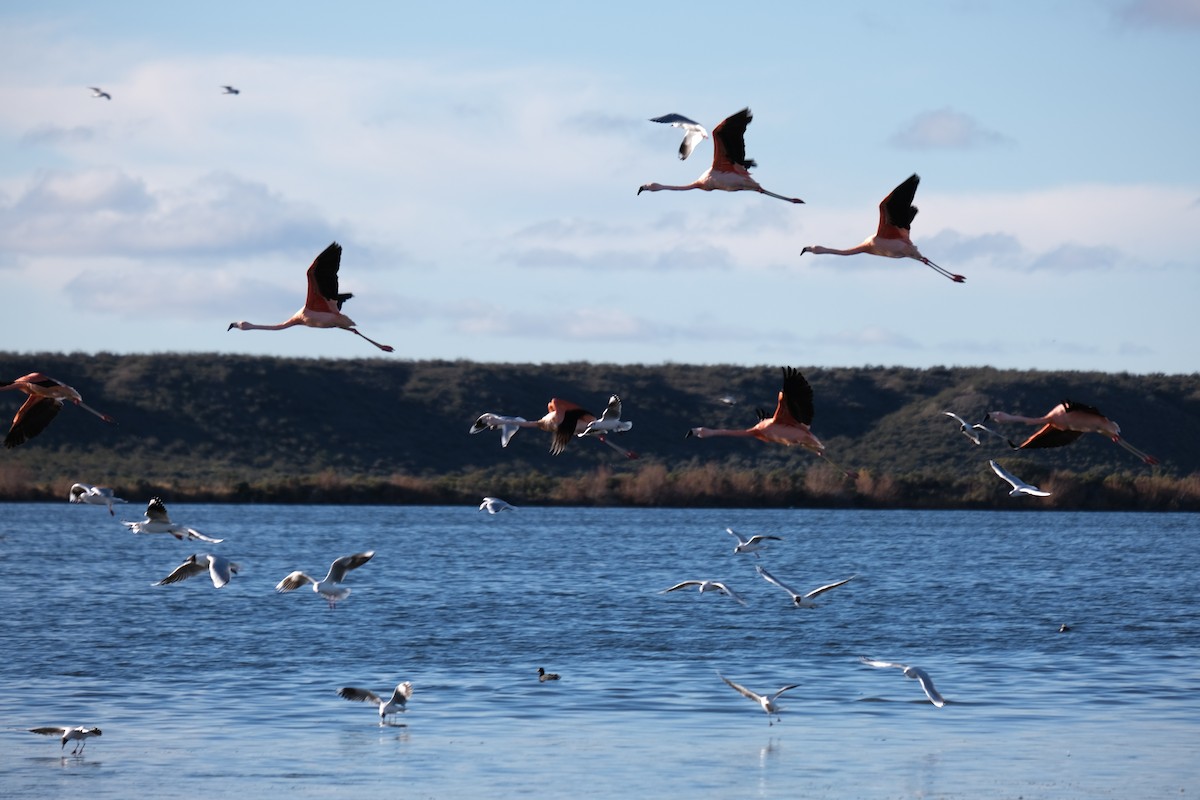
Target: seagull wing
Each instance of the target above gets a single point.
(681, 586)
(729, 592)
(359, 695)
(401, 694)
(742, 690)
(51, 730)
(221, 570)
(339, 568)
(761, 537)
(1005, 474)
(192, 533)
(193, 566)
(789, 687)
(828, 586)
(693, 132)
(871, 662)
(156, 510)
(926, 684)
(293, 581)
(769, 578)
(736, 535)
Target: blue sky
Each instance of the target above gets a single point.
(479, 163)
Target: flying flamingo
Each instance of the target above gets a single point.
(789, 425)
(1065, 423)
(323, 306)
(564, 419)
(46, 396)
(730, 170)
(896, 214)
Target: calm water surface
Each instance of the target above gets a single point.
(206, 693)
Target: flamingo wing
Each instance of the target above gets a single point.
(1049, 436)
(323, 281)
(1070, 405)
(896, 211)
(798, 396)
(31, 419)
(729, 142)
(566, 428)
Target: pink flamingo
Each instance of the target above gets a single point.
(1065, 423)
(730, 170)
(896, 213)
(46, 397)
(323, 306)
(789, 425)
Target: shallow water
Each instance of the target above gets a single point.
(209, 693)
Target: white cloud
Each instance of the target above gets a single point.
(946, 128)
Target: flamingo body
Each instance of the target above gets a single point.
(45, 400)
(1065, 423)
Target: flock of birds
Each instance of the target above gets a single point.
(789, 425)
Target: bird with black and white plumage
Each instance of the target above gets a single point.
(94, 496)
(78, 734)
(494, 505)
(765, 701)
(220, 569)
(544, 676)
(916, 673)
(158, 521)
(330, 586)
(752, 544)
(1019, 487)
(395, 704)
(801, 600)
(707, 586)
(693, 132)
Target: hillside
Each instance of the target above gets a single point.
(222, 426)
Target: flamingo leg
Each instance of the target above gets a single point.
(99, 414)
(943, 271)
(851, 474)
(627, 453)
(387, 348)
(781, 197)
(1149, 459)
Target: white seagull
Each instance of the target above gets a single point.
(801, 600)
(219, 568)
(707, 586)
(328, 586)
(230, 90)
(507, 426)
(1019, 487)
(393, 705)
(98, 92)
(965, 428)
(693, 132)
(157, 521)
(79, 735)
(494, 505)
(95, 496)
(751, 545)
(918, 674)
(609, 422)
(767, 702)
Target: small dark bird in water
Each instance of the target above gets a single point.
(544, 676)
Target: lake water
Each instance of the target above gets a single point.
(215, 693)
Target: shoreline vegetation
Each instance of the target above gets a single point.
(241, 429)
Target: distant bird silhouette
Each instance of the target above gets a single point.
(397, 703)
(1065, 423)
(544, 676)
(46, 398)
(1019, 487)
(891, 239)
(730, 170)
(94, 496)
(330, 586)
(79, 735)
(801, 600)
(230, 90)
(158, 521)
(789, 424)
(707, 586)
(494, 505)
(220, 569)
(98, 92)
(766, 702)
(693, 132)
(916, 673)
(323, 305)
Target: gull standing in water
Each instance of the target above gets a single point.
(328, 587)
(707, 586)
(157, 521)
(767, 702)
(219, 568)
(1019, 487)
(494, 505)
(801, 600)
(751, 545)
(95, 496)
(79, 735)
(393, 705)
(916, 673)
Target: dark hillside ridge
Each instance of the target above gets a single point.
(217, 424)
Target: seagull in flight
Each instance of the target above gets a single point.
(693, 132)
(767, 702)
(494, 505)
(918, 674)
(1019, 487)
(219, 568)
(95, 496)
(79, 735)
(707, 586)
(390, 707)
(508, 425)
(229, 90)
(751, 545)
(964, 427)
(609, 421)
(328, 587)
(98, 92)
(801, 600)
(157, 521)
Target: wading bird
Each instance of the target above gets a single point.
(94, 496)
(323, 305)
(230, 90)
(98, 92)
(730, 170)
(1065, 423)
(751, 545)
(707, 586)
(390, 707)
(46, 398)
(1019, 487)
(328, 587)
(158, 521)
(494, 505)
(219, 568)
(789, 425)
(766, 702)
(801, 600)
(544, 676)
(564, 419)
(693, 132)
(891, 240)
(916, 673)
(79, 735)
